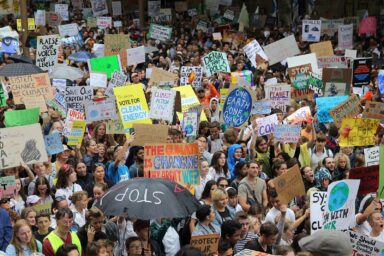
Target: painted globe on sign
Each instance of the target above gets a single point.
(338, 196)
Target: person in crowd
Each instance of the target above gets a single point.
(231, 232)
(215, 139)
(68, 250)
(98, 177)
(91, 155)
(29, 215)
(233, 202)
(246, 235)
(83, 177)
(6, 229)
(219, 167)
(241, 170)
(235, 153)
(319, 151)
(276, 208)
(220, 206)
(18, 200)
(43, 222)
(66, 185)
(205, 216)
(308, 177)
(79, 207)
(23, 242)
(98, 248)
(43, 190)
(135, 160)
(267, 239)
(40, 170)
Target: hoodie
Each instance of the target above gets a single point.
(216, 114)
(231, 159)
(320, 176)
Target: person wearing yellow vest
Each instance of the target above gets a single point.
(62, 234)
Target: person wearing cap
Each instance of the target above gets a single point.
(5, 227)
(327, 242)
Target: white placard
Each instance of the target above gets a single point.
(47, 51)
(253, 49)
(266, 125)
(311, 30)
(345, 36)
(104, 22)
(304, 59)
(371, 156)
(98, 79)
(40, 18)
(62, 9)
(135, 55)
(318, 201)
(287, 48)
(68, 30)
(116, 8)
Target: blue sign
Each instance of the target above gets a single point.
(237, 107)
(325, 104)
(53, 143)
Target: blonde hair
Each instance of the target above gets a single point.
(77, 196)
(340, 155)
(218, 193)
(16, 241)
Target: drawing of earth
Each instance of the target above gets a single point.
(338, 196)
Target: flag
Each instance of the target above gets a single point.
(244, 16)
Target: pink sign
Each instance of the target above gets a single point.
(368, 25)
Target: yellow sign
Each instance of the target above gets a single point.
(358, 132)
(133, 107)
(188, 100)
(77, 133)
(31, 24)
(223, 95)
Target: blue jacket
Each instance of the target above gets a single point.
(218, 220)
(231, 159)
(5, 229)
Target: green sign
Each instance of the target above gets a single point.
(106, 64)
(22, 117)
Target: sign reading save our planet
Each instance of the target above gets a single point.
(237, 107)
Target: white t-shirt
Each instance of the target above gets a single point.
(273, 212)
(315, 159)
(379, 238)
(68, 192)
(200, 188)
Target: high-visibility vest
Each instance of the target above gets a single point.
(56, 241)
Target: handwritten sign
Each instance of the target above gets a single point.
(104, 22)
(190, 123)
(374, 110)
(72, 115)
(287, 133)
(116, 44)
(299, 76)
(371, 156)
(311, 30)
(345, 37)
(357, 132)
(97, 111)
(287, 48)
(35, 102)
(114, 127)
(76, 96)
(261, 107)
(21, 144)
(21, 117)
(302, 94)
(162, 104)
(135, 55)
(160, 77)
(242, 78)
(99, 7)
(53, 143)
(77, 132)
(176, 162)
(348, 108)
(47, 51)
(368, 176)
(150, 134)
(98, 79)
(215, 62)
(7, 186)
(68, 30)
(325, 104)
(322, 49)
(159, 32)
(207, 244)
(266, 125)
(364, 245)
(279, 95)
(191, 75)
(237, 107)
(289, 185)
(62, 10)
(330, 26)
(300, 115)
(255, 53)
(337, 81)
(43, 208)
(118, 79)
(318, 201)
(304, 59)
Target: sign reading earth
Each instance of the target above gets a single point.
(338, 196)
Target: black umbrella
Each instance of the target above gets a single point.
(20, 69)
(146, 199)
(20, 58)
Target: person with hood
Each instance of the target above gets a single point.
(215, 110)
(235, 152)
(322, 180)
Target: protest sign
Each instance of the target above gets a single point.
(287, 133)
(215, 62)
(118, 79)
(188, 101)
(153, 8)
(159, 32)
(358, 132)
(330, 26)
(181, 6)
(340, 209)
(303, 94)
(242, 78)
(54, 19)
(99, 7)
(299, 76)
(322, 49)
(261, 107)
(229, 14)
(162, 104)
(337, 81)
(362, 72)
(237, 107)
(311, 30)
(248, 252)
(207, 244)
(374, 110)
(202, 25)
(21, 117)
(304, 59)
(348, 108)
(135, 55)
(62, 10)
(318, 201)
(289, 185)
(300, 115)
(380, 81)
(114, 127)
(381, 172)
(325, 104)
(217, 36)
(132, 105)
(345, 37)
(371, 156)
(178, 162)
(332, 62)
(77, 132)
(104, 22)
(117, 44)
(279, 95)
(116, 8)
(9, 42)
(364, 245)
(161, 77)
(21, 144)
(164, 16)
(53, 143)
(107, 64)
(117, 23)
(350, 53)
(92, 23)
(71, 116)
(76, 96)
(368, 26)
(98, 79)
(68, 30)
(47, 51)
(30, 23)
(287, 48)
(190, 123)
(40, 18)
(234, 37)
(35, 102)
(30, 85)
(150, 134)
(103, 110)
(255, 53)
(43, 208)
(192, 12)
(191, 75)
(266, 125)
(7, 186)
(368, 176)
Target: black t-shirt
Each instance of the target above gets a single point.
(255, 246)
(225, 215)
(41, 237)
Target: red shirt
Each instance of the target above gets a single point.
(47, 247)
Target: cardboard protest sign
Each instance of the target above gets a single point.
(348, 108)
(266, 125)
(287, 133)
(215, 62)
(330, 26)
(160, 77)
(71, 116)
(332, 62)
(299, 76)
(325, 104)
(21, 144)
(237, 107)
(300, 115)
(311, 30)
(43, 208)
(62, 10)
(150, 134)
(47, 51)
(361, 72)
(255, 53)
(117, 44)
(207, 244)
(368, 25)
(135, 55)
(364, 245)
(289, 185)
(371, 156)
(242, 78)
(21, 117)
(30, 23)
(357, 132)
(98, 79)
(104, 22)
(279, 95)
(217, 36)
(162, 104)
(68, 30)
(53, 143)
(77, 132)
(302, 94)
(318, 201)
(159, 32)
(8, 186)
(340, 209)
(261, 107)
(368, 176)
(176, 162)
(116, 8)
(35, 102)
(181, 6)
(54, 19)
(99, 7)
(191, 75)
(92, 22)
(118, 79)
(287, 48)
(345, 37)
(107, 64)
(133, 107)
(103, 110)
(114, 127)
(304, 59)
(76, 96)
(30, 85)
(322, 49)
(336, 81)
(190, 123)
(374, 110)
